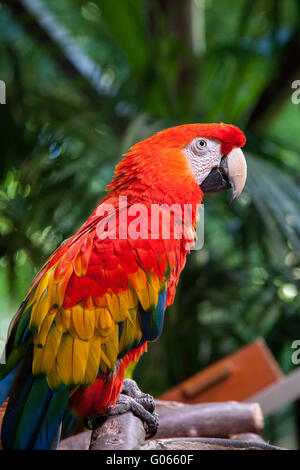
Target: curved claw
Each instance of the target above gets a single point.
(130, 399)
(151, 428)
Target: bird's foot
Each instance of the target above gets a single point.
(131, 399)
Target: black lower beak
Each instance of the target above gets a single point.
(216, 181)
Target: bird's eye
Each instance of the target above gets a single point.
(198, 145)
(201, 143)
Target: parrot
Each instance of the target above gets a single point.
(102, 295)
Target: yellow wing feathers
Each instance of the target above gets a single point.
(71, 344)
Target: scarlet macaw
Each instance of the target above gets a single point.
(98, 300)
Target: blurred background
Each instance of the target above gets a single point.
(84, 81)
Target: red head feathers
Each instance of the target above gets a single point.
(157, 168)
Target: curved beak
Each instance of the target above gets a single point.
(236, 171)
(232, 173)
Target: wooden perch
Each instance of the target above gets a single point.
(224, 426)
(198, 443)
(247, 437)
(80, 441)
(122, 432)
(211, 420)
(126, 432)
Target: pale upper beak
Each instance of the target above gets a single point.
(231, 173)
(236, 171)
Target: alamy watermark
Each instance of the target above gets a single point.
(2, 92)
(147, 221)
(2, 352)
(296, 354)
(296, 94)
(3, 336)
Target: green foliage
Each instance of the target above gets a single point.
(60, 140)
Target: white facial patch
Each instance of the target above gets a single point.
(203, 155)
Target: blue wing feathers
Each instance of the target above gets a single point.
(33, 418)
(152, 321)
(6, 384)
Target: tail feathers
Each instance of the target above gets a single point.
(6, 385)
(50, 427)
(69, 424)
(33, 416)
